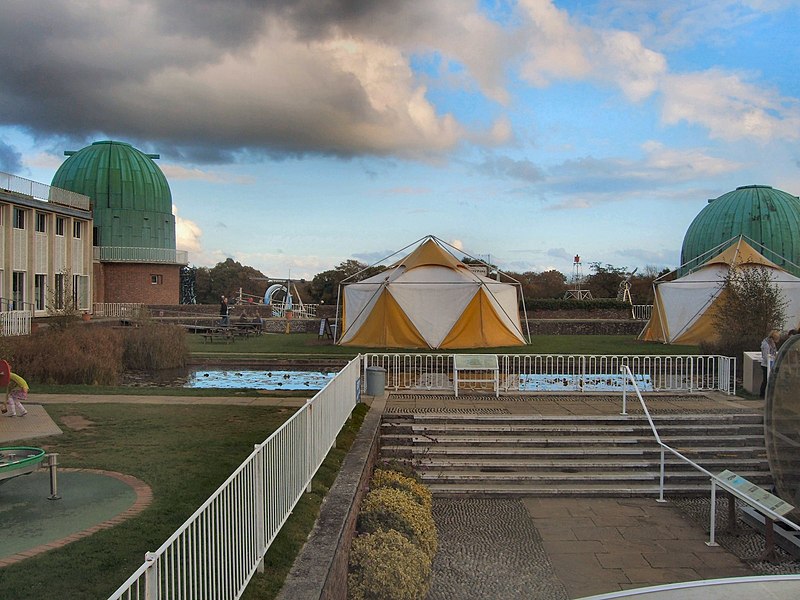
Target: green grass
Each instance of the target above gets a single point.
(305, 345)
(184, 453)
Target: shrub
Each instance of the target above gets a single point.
(403, 467)
(392, 479)
(386, 566)
(83, 355)
(154, 346)
(388, 508)
(565, 304)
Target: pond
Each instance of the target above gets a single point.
(258, 379)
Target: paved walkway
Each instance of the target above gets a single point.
(549, 548)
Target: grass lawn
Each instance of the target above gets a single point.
(302, 345)
(184, 453)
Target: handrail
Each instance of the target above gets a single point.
(714, 479)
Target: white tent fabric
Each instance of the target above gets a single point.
(432, 291)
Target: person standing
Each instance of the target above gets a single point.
(16, 392)
(769, 350)
(223, 310)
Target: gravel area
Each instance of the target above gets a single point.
(744, 542)
(488, 548)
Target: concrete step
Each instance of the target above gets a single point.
(665, 430)
(567, 441)
(615, 464)
(559, 477)
(508, 490)
(554, 451)
(659, 419)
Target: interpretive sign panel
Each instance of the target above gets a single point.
(753, 492)
(481, 369)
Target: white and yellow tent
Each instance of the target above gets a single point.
(430, 299)
(683, 309)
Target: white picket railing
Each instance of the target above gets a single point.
(116, 309)
(565, 372)
(15, 322)
(642, 312)
(219, 548)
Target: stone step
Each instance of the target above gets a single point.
(533, 429)
(586, 480)
(584, 464)
(511, 490)
(745, 418)
(567, 441)
(614, 451)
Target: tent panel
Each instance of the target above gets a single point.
(433, 308)
(386, 326)
(480, 327)
(654, 330)
(357, 303)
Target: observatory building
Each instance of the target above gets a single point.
(133, 234)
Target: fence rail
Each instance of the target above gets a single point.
(41, 191)
(151, 255)
(117, 309)
(15, 322)
(565, 372)
(219, 548)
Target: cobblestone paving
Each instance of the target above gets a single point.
(488, 548)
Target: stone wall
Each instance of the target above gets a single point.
(585, 326)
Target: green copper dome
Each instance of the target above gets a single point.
(766, 216)
(131, 201)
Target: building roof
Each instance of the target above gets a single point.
(768, 216)
(131, 199)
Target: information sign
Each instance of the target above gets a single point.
(753, 492)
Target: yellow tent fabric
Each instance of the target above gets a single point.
(430, 299)
(479, 327)
(387, 326)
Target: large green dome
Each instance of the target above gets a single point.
(131, 200)
(761, 213)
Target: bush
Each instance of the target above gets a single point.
(155, 346)
(394, 480)
(388, 508)
(587, 305)
(83, 355)
(386, 566)
(402, 467)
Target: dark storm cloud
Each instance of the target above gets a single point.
(210, 79)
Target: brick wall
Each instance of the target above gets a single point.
(128, 282)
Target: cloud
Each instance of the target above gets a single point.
(10, 159)
(560, 253)
(188, 234)
(518, 169)
(176, 172)
(729, 107)
(280, 78)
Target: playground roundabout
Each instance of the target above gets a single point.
(42, 510)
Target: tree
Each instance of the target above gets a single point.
(604, 280)
(750, 305)
(324, 288)
(225, 279)
(547, 284)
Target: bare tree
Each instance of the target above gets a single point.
(750, 305)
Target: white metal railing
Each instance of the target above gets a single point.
(41, 191)
(15, 322)
(116, 309)
(713, 479)
(642, 312)
(219, 548)
(565, 372)
(298, 311)
(152, 255)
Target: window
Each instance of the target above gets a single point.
(39, 283)
(18, 290)
(156, 279)
(60, 226)
(58, 291)
(41, 222)
(19, 218)
(76, 229)
(80, 292)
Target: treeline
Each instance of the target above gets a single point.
(602, 281)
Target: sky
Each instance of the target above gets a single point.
(299, 134)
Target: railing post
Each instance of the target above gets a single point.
(309, 442)
(151, 577)
(713, 523)
(260, 492)
(661, 473)
(624, 391)
(691, 374)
